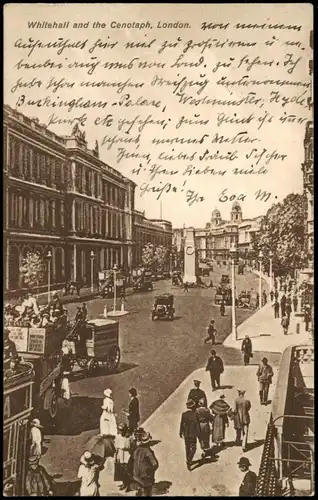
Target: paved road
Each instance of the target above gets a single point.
(156, 358)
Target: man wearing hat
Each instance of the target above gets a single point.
(196, 393)
(66, 370)
(190, 431)
(242, 418)
(145, 465)
(38, 483)
(247, 350)
(56, 303)
(248, 484)
(132, 413)
(212, 331)
(36, 438)
(215, 367)
(9, 348)
(264, 374)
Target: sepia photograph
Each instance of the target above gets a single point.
(158, 268)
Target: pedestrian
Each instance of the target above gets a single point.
(285, 324)
(242, 419)
(190, 431)
(285, 288)
(185, 286)
(248, 484)
(264, 298)
(36, 438)
(212, 331)
(66, 370)
(84, 312)
(211, 284)
(272, 295)
(88, 473)
(108, 425)
(307, 315)
(145, 465)
(288, 309)
(56, 303)
(276, 309)
(122, 445)
(265, 375)
(132, 413)
(216, 368)
(276, 295)
(222, 308)
(247, 350)
(220, 410)
(283, 304)
(196, 393)
(133, 439)
(205, 419)
(295, 303)
(38, 483)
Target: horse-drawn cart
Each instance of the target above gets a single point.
(95, 343)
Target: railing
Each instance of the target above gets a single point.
(288, 448)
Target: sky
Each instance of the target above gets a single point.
(284, 175)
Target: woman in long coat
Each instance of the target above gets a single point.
(220, 410)
(108, 425)
(205, 418)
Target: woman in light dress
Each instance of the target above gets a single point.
(108, 426)
(88, 473)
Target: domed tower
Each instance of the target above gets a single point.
(236, 213)
(216, 218)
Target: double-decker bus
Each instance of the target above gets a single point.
(17, 408)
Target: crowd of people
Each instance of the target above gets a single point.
(206, 425)
(285, 300)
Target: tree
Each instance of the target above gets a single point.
(161, 256)
(282, 231)
(148, 255)
(154, 256)
(31, 269)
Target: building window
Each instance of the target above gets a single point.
(53, 214)
(62, 214)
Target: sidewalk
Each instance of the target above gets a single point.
(222, 476)
(266, 332)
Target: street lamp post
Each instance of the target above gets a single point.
(260, 259)
(92, 256)
(49, 257)
(270, 255)
(115, 269)
(233, 253)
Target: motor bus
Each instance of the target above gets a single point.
(17, 409)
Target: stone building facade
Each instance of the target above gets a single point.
(60, 197)
(215, 240)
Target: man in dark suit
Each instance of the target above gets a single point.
(215, 367)
(190, 431)
(242, 419)
(196, 394)
(248, 485)
(247, 350)
(132, 413)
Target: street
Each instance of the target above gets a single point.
(155, 358)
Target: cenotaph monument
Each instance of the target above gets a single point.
(190, 258)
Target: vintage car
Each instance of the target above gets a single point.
(143, 284)
(163, 307)
(223, 294)
(225, 279)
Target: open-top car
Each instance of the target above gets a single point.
(163, 307)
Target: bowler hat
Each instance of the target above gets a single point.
(145, 437)
(244, 461)
(213, 351)
(197, 382)
(133, 391)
